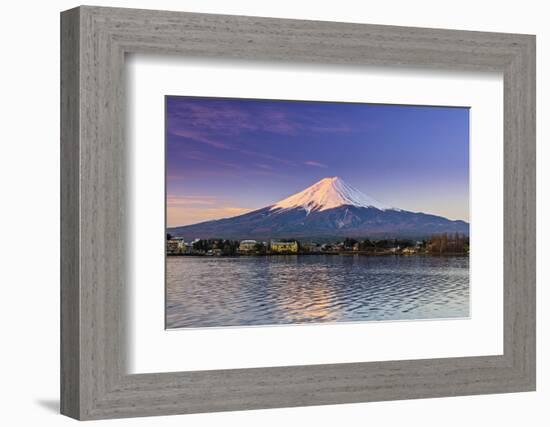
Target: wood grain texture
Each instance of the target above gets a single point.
(95, 383)
(70, 292)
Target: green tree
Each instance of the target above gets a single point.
(259, 248)
(349, 242)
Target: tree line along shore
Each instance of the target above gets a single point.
(437, 244)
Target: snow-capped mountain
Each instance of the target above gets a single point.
(330, 208)
(329, 193)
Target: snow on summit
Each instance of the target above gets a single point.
(328, 193)
(328, 209)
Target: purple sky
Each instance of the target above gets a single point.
(229, 156)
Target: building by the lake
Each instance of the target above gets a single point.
(247, 246)
(176, 245)
(284, 247)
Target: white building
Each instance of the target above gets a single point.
(247, 246)
(175, 246)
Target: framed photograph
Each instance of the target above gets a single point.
(262, 213)
(329, 252)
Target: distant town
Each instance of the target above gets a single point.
(439, 244)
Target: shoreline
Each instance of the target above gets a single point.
(350, 253)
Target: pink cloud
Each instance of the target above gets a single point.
(172, 200)
(191, 209)
(185, 216)
(315, 164)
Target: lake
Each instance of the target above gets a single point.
(293, 289)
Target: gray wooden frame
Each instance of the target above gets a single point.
(94, 381)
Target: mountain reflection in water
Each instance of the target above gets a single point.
(294, 289)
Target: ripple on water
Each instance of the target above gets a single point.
(208, 292)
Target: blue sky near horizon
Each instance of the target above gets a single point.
(225, 157)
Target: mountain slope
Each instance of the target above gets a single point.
(329, 193)
(328, 209)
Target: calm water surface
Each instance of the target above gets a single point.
(206, 292)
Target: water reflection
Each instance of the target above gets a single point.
(205, 292)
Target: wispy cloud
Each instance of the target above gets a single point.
(241, 126)
(199, 136)
(227, 117)
(205, 157)
(184, 209)
(197, 118)
(264, 166)
(315, 164)
(187, 201)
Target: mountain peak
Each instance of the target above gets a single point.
(323, 211)
(328, 193)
